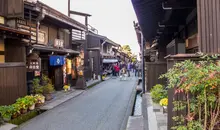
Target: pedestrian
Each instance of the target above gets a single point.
(135, 69)
(117, 69)
(138, 69)
(129, 69)
(113, 69)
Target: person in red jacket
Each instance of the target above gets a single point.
(117, 69)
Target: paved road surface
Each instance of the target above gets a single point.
(100, 108)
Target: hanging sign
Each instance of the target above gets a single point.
(68, 66)
(59, 43)
(33, 62)
(57, 60)
(41, 37)
(64, 74)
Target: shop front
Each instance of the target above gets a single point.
(56, 71)
(57, 64)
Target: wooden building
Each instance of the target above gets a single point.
(180, 29)
(12, 56)
(100, 52)
(36, 39)
(54, 40)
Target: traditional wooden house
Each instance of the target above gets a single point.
(180, 29)
(54, 39)
(36, 40)
(100, 52)
(12, 54)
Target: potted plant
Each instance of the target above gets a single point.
(37, 88)
(5, 112)
(47, 91)
(66, 88)
(164, 103)
(15, 111)
(157, 93)
(31, 102)
(48, 88)
(40, 99)
(23, 103)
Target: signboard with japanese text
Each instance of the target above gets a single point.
(33, 62)
(41, 37)
(59, 43)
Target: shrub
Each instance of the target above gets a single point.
(37, 88)
(158, 92)
(6, 112)
(23, 103)
(199, 85)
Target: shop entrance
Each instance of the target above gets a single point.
(56, 75)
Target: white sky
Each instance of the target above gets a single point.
(112, 18)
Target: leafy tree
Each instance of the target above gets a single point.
(134, 58)
(126, 49)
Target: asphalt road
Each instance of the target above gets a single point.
(102, 107)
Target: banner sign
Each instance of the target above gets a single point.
(57, 60)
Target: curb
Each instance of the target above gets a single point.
(15, 128)
(129, 108)
(150, 116)
(144, 111)
(61, 100)
(96, 83)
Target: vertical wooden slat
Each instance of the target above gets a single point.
(199, 36)
(154, 70)
(214, 18)
(218, 26)
(206, 26)
(211, 33)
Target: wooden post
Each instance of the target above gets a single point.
(69, 8)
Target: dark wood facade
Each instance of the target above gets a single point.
(13, 82)
(99, 48)
(194, 22)
(208, 25)
(153, 72)
(22, 37)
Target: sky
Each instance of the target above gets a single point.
(112, 18)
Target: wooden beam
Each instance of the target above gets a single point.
(79, 13)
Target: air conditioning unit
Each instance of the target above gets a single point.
(177, 46)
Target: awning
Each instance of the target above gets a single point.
(106, 61)
(50, 48)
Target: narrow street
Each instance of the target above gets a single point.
(100, 108)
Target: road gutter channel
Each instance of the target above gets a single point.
(130, 107)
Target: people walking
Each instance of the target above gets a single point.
(117, 69)
(138, 69)
(129, 69)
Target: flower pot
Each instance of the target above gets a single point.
(38, 104)
(32, 107)
(48, 97)
(15, 115)
(164, 109)
(23, 111)
(42, 100)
